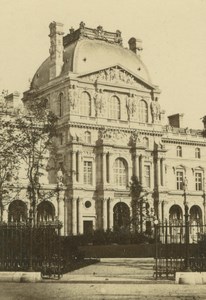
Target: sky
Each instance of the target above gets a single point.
(173, 34)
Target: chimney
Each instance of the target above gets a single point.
(176, 120)
(135, 45)
(56, 49)
(13, 101)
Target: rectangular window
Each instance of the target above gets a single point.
(147, 176)
(179, 180)
(88, 172)
(198, 181)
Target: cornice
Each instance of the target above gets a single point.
(181, 141)
(115, 128)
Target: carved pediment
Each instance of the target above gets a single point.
(114, 137)
(117, 75)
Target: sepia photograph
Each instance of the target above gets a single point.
(102, 149)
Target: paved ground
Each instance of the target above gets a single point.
(130, 270)
(63, 291)
(110, 279)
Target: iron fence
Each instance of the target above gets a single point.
(179, 247)
(25, 247)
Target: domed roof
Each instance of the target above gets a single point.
(86, 55)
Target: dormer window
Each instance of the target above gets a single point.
(114, 108)
(179, 151)
(143, 112)
(85, 104)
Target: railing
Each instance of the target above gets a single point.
(176, 253)
(24, 247)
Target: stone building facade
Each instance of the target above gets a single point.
(111, 127)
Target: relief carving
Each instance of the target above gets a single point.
(73, 96)
(99, 102)
(114, 137)
(116, 75)
(155, 111)
(131, 105)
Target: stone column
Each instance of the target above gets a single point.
(81, 167)
(163, 172)
(65, 217)
(94, 172)
(142, 171)
(74, 166)
(104, 170)
(74, 216)
(80, 221)
(110, 169)
(136, 166)
(152, 175)
(159, 172)
(105, 221)
(61, 209)
(111, 220)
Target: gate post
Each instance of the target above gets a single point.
(156, 247)
(187, 237)
(30, 269)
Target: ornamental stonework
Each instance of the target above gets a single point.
(115, 75)
(113, 137)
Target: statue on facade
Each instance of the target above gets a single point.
(204, 121)
(131, 107)
(99, 102)
(155, 110)
(60, 177)
(73, 96)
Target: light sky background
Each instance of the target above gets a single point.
(173, 34)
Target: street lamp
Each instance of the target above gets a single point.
(156, 247)
(187, 234)
(30, 269)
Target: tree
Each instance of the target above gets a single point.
(38, 130)
(139, 204)
(10, 159)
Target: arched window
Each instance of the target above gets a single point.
(114, 108)
(17, 211)
(143, 112)
(197, 152)
(175, 220)
(179, 151)
(121, 216)
(195, 221)
(120, 172)
(61, 105)
(85, 104)
(45, 211)
(87, 137)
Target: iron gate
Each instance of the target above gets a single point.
(179, 247)
(25, 247)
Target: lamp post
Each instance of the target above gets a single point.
(30, 269)
(187, 233)
(156, 247)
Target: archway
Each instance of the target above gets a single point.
(175, 224)
(17, 211)
(45, 212)
(195, 223)
(121, 216)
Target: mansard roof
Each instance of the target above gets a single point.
(89, 49)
